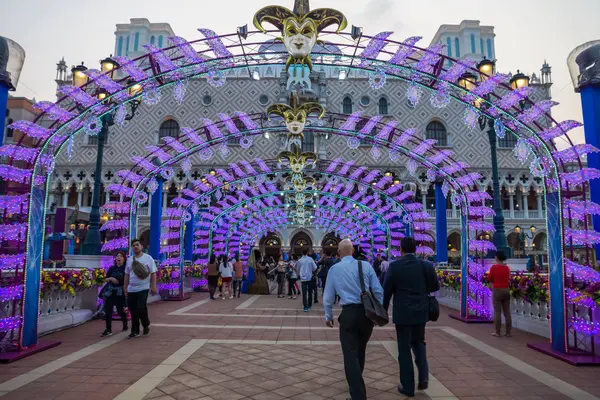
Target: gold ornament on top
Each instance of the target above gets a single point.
(294, 116)
(299, 28)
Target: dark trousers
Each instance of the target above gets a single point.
(412, 337)
(307, 291)
(280, 283)
(501, 298)
(315, 289)
(292, 287)
(323, 283)
(237, 285)
(212, 285)
(355, 332)
(138, 307)
(109, 304)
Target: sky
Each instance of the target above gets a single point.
(527, 31)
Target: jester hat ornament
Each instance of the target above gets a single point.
(297, 161)
(300, 28)
(295, 117)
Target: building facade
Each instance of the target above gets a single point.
(522, 194)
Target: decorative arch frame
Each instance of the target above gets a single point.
(421, 68)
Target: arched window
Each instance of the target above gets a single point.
(120, 46)
(436, 130)
(160, 40)
(482, 48)
(449, 46)
(489, 49)
(473, 50)
(457, 47)
(136, 41)
(347, 105)
(383, 106)
(168, 128)
(127, 46)
(152, 39)
(309, 141)
(507, 142)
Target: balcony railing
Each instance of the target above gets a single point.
(532, 214)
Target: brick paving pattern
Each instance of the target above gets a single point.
(230, 371)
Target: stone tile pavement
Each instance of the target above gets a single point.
(262, 347)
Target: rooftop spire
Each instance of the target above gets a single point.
(301, 7)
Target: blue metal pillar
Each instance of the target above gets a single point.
(3, 104)
(441, 225)
(590, 101)
(189, 239)
(156, 221)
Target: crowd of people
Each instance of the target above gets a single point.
(408, 280)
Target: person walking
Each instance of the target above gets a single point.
(377, 265)
(226, 271)
(355, 327)
(384, 268)
(306, 266)
(499, 277)
(113, 294)
(410, 280)
(140, 278)
(280, 273)
(314, 281)
(212, 276)
(292, 277)
(238, 273)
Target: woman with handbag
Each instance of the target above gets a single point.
(281, 273)
(112, 293)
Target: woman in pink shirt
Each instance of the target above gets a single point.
(238, 273)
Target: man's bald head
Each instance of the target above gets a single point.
(346, 248)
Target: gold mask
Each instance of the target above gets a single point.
(295, 115)
(300, 28)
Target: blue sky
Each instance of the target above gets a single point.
(527, 31)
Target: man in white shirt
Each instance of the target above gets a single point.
(136, 287)
(306, 266)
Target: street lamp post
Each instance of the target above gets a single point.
(522, 237)
(92, 244)
(468, 81)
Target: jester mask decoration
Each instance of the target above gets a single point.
(300, 28)
(295, 116)
(297, 161)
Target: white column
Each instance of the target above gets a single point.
(50, 200)
(424, 199)
(86, 196)
(511, 204)
(538, 196)
(80, 197)
(65, 199)
(165, 193)
(526, 203)
(106, 197)
(453, 210)
(149, 202)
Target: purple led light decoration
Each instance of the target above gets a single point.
(179, 91)
(377, 79)
(10, 323)
(115, 244)
(215, 78)
(561, 129)
(127, 65)
(31, 129)
(513, 98)
(471, 117)
(11, 261)
(53, 111)
(9, 293)
(585, 327)
(78, 95)
(414, 93)
(536, 111)
(405, 50)
(376, 44)
(429, 58)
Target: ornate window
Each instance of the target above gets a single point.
(507, 142)
(136, 41)
(383, 106)
(168, 128)
(120, 46)
(273, 241)
(457, 47)
(436, 130)
(347, 105)
(152, 39)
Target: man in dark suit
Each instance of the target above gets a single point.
(410, 280)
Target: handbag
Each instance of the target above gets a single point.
(374, 311)
(434, 305)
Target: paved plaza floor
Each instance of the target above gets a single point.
(265, 348)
